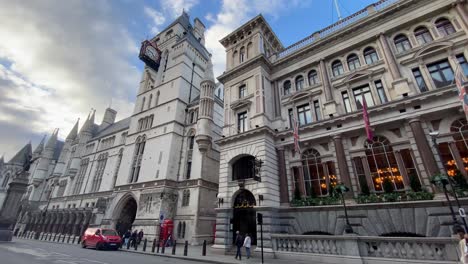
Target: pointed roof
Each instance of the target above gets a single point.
(52, 140)
(88, 124)
(22, 155)
(40, 147)
(74, 132)
(2, 162)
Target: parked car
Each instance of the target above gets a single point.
(101, 238)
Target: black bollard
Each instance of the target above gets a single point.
(163, 247)
(135, 244)
(174, 247)
(204, 248)
(55, 237)
(50, 237)
(186, 248)
(154, 245)
(73, 241)
(128, 244)
(63, 238)
(68, 240)
(158, 247)
(144, 244)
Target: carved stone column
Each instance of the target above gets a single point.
(342, 164)
(389, 58)
(283, 180)
(424, 148)
(460, 6)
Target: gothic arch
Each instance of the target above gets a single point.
(120, 203)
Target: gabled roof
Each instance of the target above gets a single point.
(114, 128)
(58, 149)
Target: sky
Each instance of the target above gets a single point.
(60, 59)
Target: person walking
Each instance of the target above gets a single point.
(463, 247)
(239, 243)
(140, 236)
(126, 237)
(247, 244)
(133, 238)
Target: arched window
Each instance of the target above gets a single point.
(234, 57)
(183, 229)
(319, 176)
(353, 62)
(179, 230)
(313, 77)
(337, 68)
(287, 87)
(117, 166)
(383, 166)
(143, 104)
(6, 180)
(444, 27)
(150, 101)
(370, 55)
(299, 83)
(101, 165)
(137, 158)
(186, 198)
(249, 50)
(243, 168)
(455, 154)
(241, 55)
(423, 35)
(190, 145)
(402, 43)
(80, 176)
(157, 98)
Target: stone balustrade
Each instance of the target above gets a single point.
(367, 249)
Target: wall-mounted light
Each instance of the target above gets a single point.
(220, 202)
(260, 199)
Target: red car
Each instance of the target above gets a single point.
(101, 238)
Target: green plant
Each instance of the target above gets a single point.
(460, 180)
(387, 185)
(415, 184)
(391, 197)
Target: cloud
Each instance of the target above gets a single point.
(58, 60)
(175, 7)
(233, 14)
(157, 17)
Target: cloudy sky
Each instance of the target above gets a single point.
(59, 59)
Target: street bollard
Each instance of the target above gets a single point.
(63, 238)
(55, 236)
(174, 247)
(158, 247)
(128, 244)
(74, 237)
(144, 244)
(135, 244)
(42, 236)
(50, 237)
(186, 248)
(163, 247)
(68, 240)
(154, 245)
(204, 248)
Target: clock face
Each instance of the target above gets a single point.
(151, 52)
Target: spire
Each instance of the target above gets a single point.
(209, 76)
(40, 147)
(53, 139)
(22, 155)
(74, 132)
(88, 125)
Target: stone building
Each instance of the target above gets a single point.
(157, 164)
(400, 56)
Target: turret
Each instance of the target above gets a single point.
(74, 132)
(46, 157)
(21, 156)
(205, 121)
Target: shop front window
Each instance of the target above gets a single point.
(458, 150)
(319, 177)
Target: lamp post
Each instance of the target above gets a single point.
(434, 135)
(342, 189)
(443, 180)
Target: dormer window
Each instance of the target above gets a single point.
(287, 87)
(242, 91)
(299, 83)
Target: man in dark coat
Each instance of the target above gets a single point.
(140, 236)
(239, 243)
(133, 239)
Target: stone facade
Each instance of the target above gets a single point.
(147, 167)
(392, 54)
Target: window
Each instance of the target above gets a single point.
(419, 80)
(303, 114)
(353, 62)
(137, 158)
(444, 27)
(313, 77)
(360, 93)
(81, 174)
(337, 68)
(191, 141)
(243, 168)
(101, 165)
(317, 110)
(143, 104)
(346, 101)
(242, 91)
(117, 166)
(462, 61)
(249, 50)
(242, 55)
(370, 55)
(423, 35)
(150, 101)
(299, 83)
(291, 116)
(441, 73)
(319, 177)
(6, 180)
(381, 92)
(402, 43)
(189, 170)
(242, 122)
(186, 198)
(287, 87)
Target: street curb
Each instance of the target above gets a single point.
(179, 257)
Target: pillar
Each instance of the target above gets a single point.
(424, 148)
(283, 178)
(367, 172)
(330, 104)
(389, 58)
(341, 160)
(461, 10)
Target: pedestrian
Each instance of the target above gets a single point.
(133, 238)
(169, 240)
(463, 246)
(126, 237)
(140, 236)
(239, 243)
(247, 244)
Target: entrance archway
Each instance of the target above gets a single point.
(127, 216)
(244, 215)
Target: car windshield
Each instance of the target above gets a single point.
(109, 232)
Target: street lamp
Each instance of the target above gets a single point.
(434, 135)
(342, 189)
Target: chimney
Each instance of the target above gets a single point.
(109, 118)
(199, 31)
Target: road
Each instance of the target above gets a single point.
(37, 252)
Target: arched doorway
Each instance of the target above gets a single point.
(244, 215)
(127, 216)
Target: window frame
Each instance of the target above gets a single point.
(242, 91)
(287, 90)
(337, 68)
(402, 43)
(419, 78)
(423, 35)
(363, 94)
(346, 102)
(381, 91)
(441, 72)
(242, 122)
(304, 112)
(353, 62)
(299, 83)
(370, 55)
(443, 26)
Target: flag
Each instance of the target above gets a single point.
(365, 116)
(295, 124)
(462, 95)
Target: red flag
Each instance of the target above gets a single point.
(297, 148)
(365, 116)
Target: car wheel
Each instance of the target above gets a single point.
(83, 244)
(99, 246)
